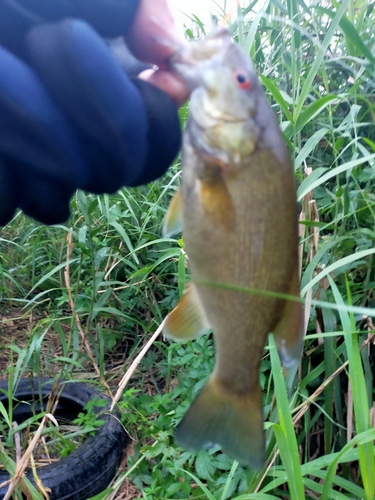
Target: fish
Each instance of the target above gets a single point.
(237, 209)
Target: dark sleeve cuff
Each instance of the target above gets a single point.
(163, 134)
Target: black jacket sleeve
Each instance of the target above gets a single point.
(110, 18)
(70, 117)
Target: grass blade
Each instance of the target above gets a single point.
(307, 85)
(284, 432)
(361, 403)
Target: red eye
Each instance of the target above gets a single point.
(243, 81)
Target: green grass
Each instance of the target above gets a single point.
(316, 61)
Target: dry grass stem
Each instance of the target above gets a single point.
(301, 234)
(310, 205)
(350, 414)
(304, 407)
(372, 415)
(37, 480)
(17, 443)
(314, 217)
(307, 309)
(21, 466)
(125, 379)
(76, 316)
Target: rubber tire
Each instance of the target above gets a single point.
(87, 470)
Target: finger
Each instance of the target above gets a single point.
(154, 37)
(167, 82)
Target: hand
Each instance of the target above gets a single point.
(154, 38)
(70, 117)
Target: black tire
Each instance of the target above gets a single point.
(88, 469)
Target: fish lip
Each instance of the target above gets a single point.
(184, 60)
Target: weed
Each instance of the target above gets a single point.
(88, 418)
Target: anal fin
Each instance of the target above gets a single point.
(289, 332)
(187, 321)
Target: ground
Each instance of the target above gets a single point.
(15, 328)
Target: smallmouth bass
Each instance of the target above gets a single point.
(237, 208)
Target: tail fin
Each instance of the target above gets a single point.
(220, 417)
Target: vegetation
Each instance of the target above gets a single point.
(90, 293)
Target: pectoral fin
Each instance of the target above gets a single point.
(173, 218)
(187, 321)
(217, 204)
(289, 332)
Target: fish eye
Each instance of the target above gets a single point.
(243, 80)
